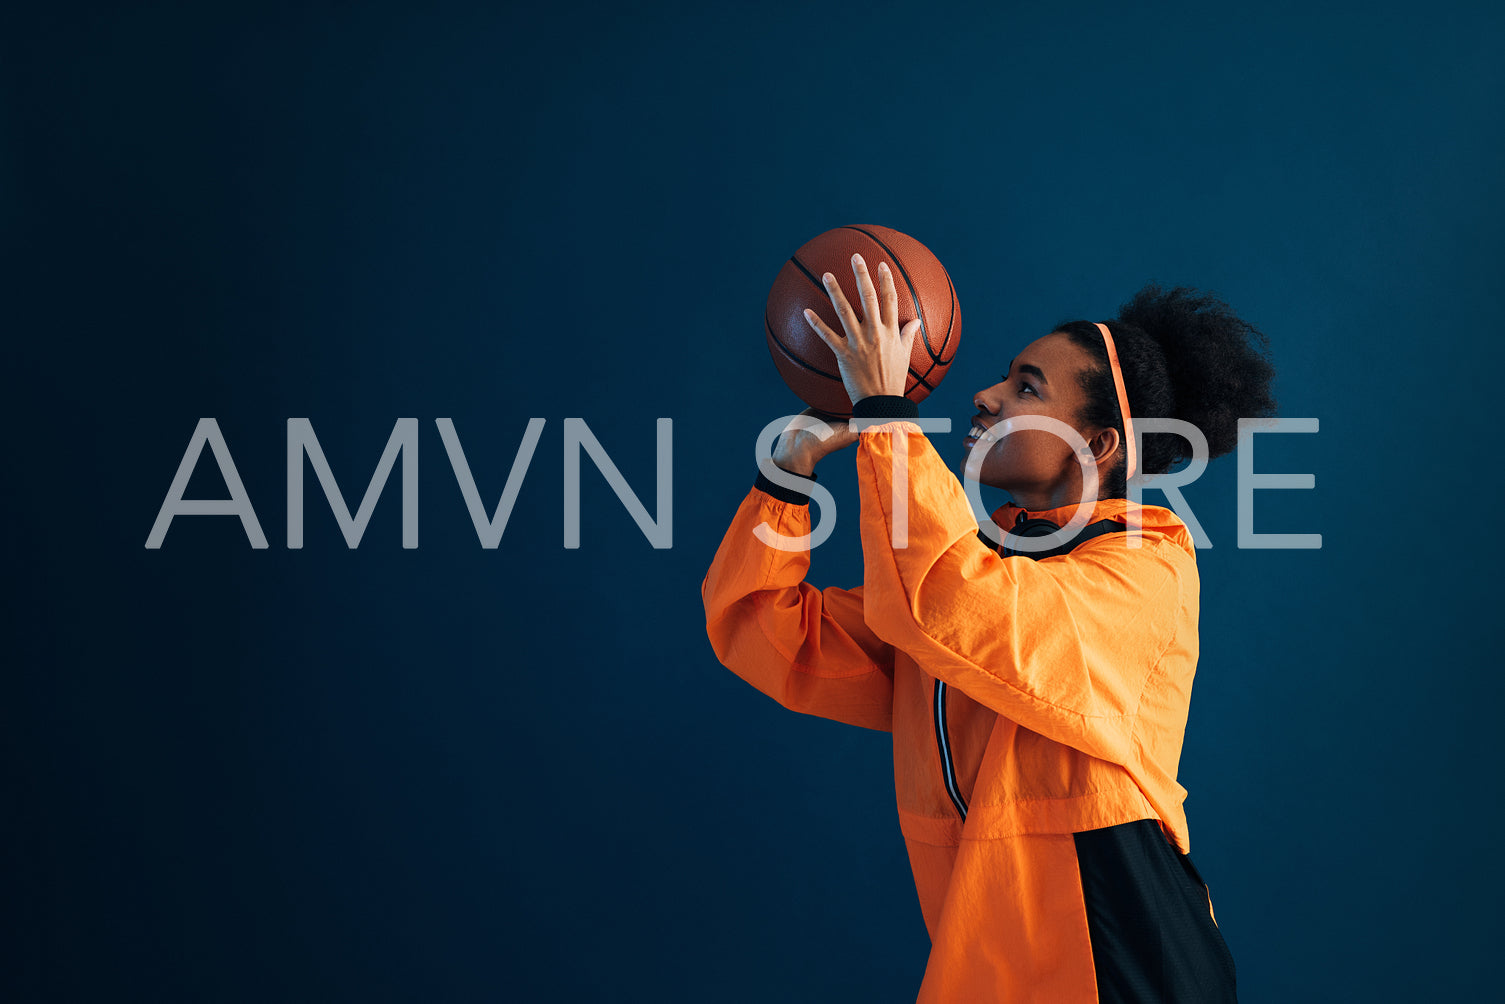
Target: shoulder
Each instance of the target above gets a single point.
(1147, 564)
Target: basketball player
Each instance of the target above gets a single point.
(1037, 699)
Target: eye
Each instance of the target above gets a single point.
(1025, 386)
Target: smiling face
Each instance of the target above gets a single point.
(1038, 469)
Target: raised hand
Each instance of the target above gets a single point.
(872, 354)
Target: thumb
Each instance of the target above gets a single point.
(907, 335)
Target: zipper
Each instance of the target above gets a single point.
(948, 769)
(943, 740)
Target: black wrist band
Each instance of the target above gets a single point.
(778, 491)
(885, 406)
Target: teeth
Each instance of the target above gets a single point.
(978, 431)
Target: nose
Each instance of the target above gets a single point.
(986, 401)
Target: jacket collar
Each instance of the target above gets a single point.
(1154, 520)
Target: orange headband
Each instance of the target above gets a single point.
(1123, 400)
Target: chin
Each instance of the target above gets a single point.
(986, 478)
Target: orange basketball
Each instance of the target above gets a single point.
(925, 292)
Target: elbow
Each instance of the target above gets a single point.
(720, 634)
(730, 628)
(891, 619)
(718, 606)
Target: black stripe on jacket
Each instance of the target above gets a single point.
(1148, 914)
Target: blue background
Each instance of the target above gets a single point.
(455, 774)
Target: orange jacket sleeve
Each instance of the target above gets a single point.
(807, 648)
(1065, 646)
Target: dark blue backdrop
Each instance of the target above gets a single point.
(454, 774)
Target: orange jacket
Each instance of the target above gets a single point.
(1066, 681)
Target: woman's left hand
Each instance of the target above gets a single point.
(873, 354)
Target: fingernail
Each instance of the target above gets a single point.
(828, 277)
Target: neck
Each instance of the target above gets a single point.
(1067, 492)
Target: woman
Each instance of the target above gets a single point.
(1037, 700)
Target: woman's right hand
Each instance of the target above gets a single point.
(799, 450)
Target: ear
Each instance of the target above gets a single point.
(1104, 445)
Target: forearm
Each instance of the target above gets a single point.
(1013, 634)
(808, 649)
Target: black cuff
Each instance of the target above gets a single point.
(791, 495)
(885, 406)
